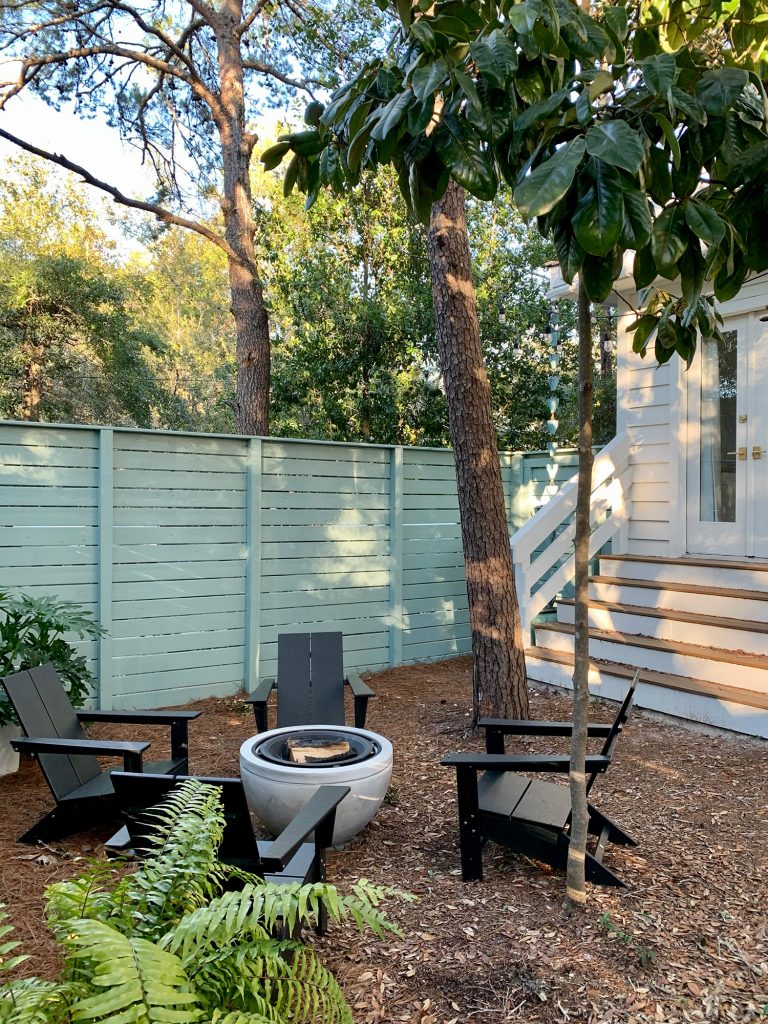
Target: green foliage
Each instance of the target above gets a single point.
(32, 632)
(167, 944)
(602, 107)
(70, 348)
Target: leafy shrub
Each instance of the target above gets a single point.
(32, 633)
(173, 942)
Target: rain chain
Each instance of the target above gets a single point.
(553, 401)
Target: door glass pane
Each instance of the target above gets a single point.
(718, 430)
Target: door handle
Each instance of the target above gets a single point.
(757, 452)
(742, 453)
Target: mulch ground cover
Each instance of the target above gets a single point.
(686, 941)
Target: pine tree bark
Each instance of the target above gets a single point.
(251, 405)
(499, 676)
(577, 779)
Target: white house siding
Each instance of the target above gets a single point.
(651, 407)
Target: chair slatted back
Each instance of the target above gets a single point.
(618, 724)
(294, 700)
(327, 671)
(310, 679)
(138, 794)
(43, 708)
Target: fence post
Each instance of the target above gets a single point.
(396, 556)
(519, 502)
(253, 565)
(105, 534)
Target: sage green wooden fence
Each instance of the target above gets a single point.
(194, 551)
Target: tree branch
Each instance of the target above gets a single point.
(135, 204)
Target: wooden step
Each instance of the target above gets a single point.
(749, 637)
(722, 573)
(673, 657)
(683, 588)
(693, 560)
(680, 647)
(701, 687)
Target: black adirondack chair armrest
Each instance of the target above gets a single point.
(522, 762)
(357, 686)
(177, 720)
(138, 717)
(320, 807)
(131, 751)
(258, 700)
(521, 727)
(262, 691)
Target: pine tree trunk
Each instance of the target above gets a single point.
(249, 312)
(576, 888)
(499, 679)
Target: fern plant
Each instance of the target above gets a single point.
(173, 942)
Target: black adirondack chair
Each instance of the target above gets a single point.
(527, 815)
(310, 683)
(68, 758)
(290, 858)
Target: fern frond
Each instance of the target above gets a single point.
(34, 1001)
(130, 979)
(240, 1017)
(182, 871)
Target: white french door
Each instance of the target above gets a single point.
(727, 464)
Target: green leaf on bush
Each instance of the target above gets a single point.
(273, 156)
(599, 217)
(718, 90)
(669, 240)
(460, 148)
(544, 187)
(617, 144)
(704, 222)
(495, 56)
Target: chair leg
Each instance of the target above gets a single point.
(361, 710)
(470, 840)
(598, 822)
(260, 714)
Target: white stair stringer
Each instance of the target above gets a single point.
(696, 628)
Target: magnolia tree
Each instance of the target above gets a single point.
(643, 135)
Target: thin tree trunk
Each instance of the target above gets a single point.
(499, 680)
(576, 888)
(248, 309)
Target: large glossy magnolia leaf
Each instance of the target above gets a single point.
(616, 143)
(460, 148)
(599, 217)
(597, 276)
(543, 188)
(660, 73)
(425, 80)
(669, 240)
(638, 221)
(705, 223)
(390, 116)
(569, 253)
(718, 90)
(495, 56)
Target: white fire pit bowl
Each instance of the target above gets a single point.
(277, 789)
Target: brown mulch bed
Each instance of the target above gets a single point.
(686, 941)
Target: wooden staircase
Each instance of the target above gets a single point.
(696, 627)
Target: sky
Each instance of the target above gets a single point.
(91, 143)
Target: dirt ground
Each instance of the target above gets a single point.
(686, 941)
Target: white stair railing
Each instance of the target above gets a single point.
(542, 574)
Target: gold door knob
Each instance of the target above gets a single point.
(757, 452)
(742, 453)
